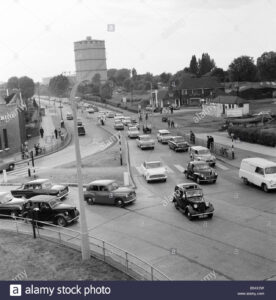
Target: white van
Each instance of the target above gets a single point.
(259, 171)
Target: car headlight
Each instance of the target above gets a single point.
(195, 206)
(207, 203)
(66, 213)
(216, 174)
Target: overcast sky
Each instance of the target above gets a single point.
(37, 36)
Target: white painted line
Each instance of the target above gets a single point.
(221, 166)
(169, 169)
(179, 168)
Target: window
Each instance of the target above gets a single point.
(259, 171)
(93, 188)
(5, 134)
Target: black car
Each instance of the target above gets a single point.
(81, 130)
(178, 143)
(200, 171)
(188, 198)
(46, 208)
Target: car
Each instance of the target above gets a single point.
(95, 108)
(81, 130)
(258, 171)
(178, 143)
(163, 136)
(9, 205)
(145, 141)
(126, 121)
(46, 208)
(189, 199)
(118, 125)
(107, 191)
(41, 187)
(202, 153)
(79, 122)
(164, 119)
(7, 165)
(119, 118)
(133, 132)
(147, 128)
(69, 116)
(200, 171)
(90, 110)
(154, 171)
(110, 115)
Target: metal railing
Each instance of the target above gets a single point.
(122, 260)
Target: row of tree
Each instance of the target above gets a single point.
(25, 84)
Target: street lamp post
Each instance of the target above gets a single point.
(85, 250)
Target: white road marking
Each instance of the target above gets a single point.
(179, 168)
(169, 169)
(221, 166)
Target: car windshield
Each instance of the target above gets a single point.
(47, 185)
(165, 133)
(202, 167)
(114, 186)
(53, 203)
(179, 139)
(195, 194)
(133, 129)
(153, 165)
(271, 170)
(145, 138)
(203, 152)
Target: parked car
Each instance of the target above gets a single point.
(188, 198)
(126, 121)
(50, 209)
(81, 130)
(41, 187)
(7, 165)
(133, 132)
(118, 125)
(200, 171)
(145, 141)
(110, 114)
(9, 205)
(107, 191)
(178, 143)
(90, 110)
(69, 116)
(154, 171)
(163, 136)
(258, 171)
(79, 122)
(95, 108)
(202, 153)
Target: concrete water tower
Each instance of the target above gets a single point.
(90, 59)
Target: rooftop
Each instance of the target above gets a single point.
(102, 182)
(227, 99)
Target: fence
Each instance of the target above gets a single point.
(107, 252)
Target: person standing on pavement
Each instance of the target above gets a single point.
(41, 130)
(169, 123)
(171, 109)
(172, 124)
(56, 133)
(208, 141)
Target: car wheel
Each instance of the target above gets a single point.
(90, 201)
(265, 188)
(198, 180)
(189, 215)
(119, 203)
(11, 167)
(210, 216)
(165, 179)
(245, 181)
(14, 214)
(214, 181)
(176, 205)
(61, 221)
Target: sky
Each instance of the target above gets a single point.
(37, 36)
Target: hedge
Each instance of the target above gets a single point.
(254, 135)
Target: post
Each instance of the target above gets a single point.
(232, 147)
(29, 170)
(85, 249)
(126, 179)
(33, 223)
(120, 145)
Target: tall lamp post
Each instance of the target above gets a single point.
(85, 250)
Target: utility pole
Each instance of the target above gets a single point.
(85, 249)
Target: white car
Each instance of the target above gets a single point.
(202, 153)
(154, 171)
(110, 114)
(145, 141)
(260, 172)
(90, 110)
(163, 136)
(133, 132)
(126, 121)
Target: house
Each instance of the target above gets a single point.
(163, 98)
(226, 105)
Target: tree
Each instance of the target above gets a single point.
(27, 87)
(266, 66)
(193, 65)
(59, 85)
(106, 91)
(128, 84)
(96, 80)
(219, 73)
(205, 64)
(133, 73)
(165, 77)
(121, 76)
(13, 83)
(243, 69)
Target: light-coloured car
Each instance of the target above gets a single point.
(133, 132)
(154, 171)
(126, 121)
(145, 141)
(258, 171)
(118, 125)
(110, 114)
(7, 165)
(90, 110)
(202, 153)
(163, 136)
(69, 116)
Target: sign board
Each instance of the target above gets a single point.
(124, 100)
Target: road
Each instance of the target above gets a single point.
(237, 244)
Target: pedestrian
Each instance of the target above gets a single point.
(171, 109)
(212, 143)
(172, 124)
(208, 141)
(56, 133)
(169, 123)
(192, 137)
(41, 130)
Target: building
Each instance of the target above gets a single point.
(228, 106)
(90, 59)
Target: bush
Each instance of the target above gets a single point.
(253, 135)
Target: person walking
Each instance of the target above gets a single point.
(208, 141)
(56, 133)
(171, 109)
(41, 130)
(169, 123)
(172, 124)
